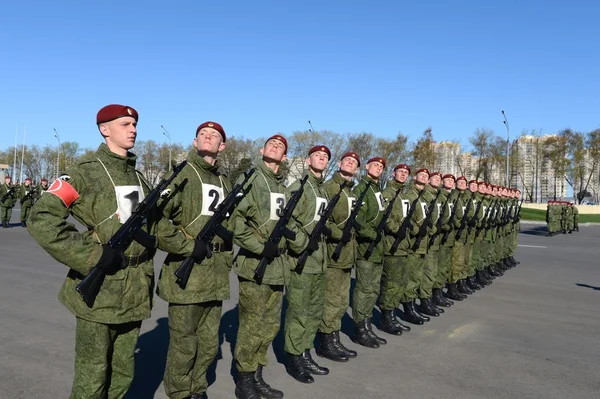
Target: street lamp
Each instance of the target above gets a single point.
(507, 144)
(58, 154)
(169, 137)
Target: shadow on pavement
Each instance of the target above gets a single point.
(227, 332)
(150, 360)
(535, 231)
(588, 286)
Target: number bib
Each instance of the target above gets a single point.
(128, 198)
(212, 196)
(277, 206)
(320, 208)
(379, 197)
(405, 207)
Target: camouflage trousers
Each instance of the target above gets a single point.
(444, 264)
(193, 345)
(366, 291)
(25, 211)
(6, 213)
(484, 249)
(104, 359)
(337, 299)
(304, 295)
(460, 261)
(400, 280)
(260, 313)
(474, 258)
(430, 274)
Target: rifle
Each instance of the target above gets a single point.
(211, 229)
(27, 196)
(9, 193)
(438, 224)
(486, 219)
(491, 222)
(405, 224)
(463, 222)
(450, 222)
(517, 216)
(280, 230)
(129, 231)
(381, 226)
(351, 222)
(427, 221)
(318, 230)
(473, 221)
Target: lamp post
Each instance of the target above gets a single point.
(58, 154)
(507, 145)
(169, 137)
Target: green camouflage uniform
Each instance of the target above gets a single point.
(445, 251)
(27, 195)
(7, 205)
(575, 218)
(460, 249)
(252, 222)
(306, 290)
(194, 312)
(430, 260)
(475, 238)
(569, 217)
(337, 275)
(368, 271)
(106, 333)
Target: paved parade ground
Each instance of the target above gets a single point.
(534, 333)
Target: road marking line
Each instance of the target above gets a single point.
(463, 331)
(531, 246)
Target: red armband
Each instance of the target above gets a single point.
(63, 190)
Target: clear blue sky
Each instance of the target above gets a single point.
(259, 67)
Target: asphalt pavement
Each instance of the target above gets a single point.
(533, 333)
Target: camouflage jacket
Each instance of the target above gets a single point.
(100, 192)
(369, 216)
(27, 195)
(463, 211)
(11, 200)
(449, 218)
(396, 219)
(191, 200)
(338, 219)
(252, 222)
(430, 195)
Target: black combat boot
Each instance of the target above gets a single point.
(23, 224)
(472, 284)
(244, 388)
(425, 308)
(362, 336)
(378, 339)
(338, 344)
(410, 314)
(295, 368)
(199, 396)
(499, 267)
(516, 262)
(311, 366)
(481, 278)
(387, 323)
(463, 288)
(264, 389)
(453, 293)
(487, 275)
(329, 350)
(439, 299)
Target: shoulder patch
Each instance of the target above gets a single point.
(63, 190)
(64, 177)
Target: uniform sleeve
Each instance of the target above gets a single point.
(173, 240)
(49, 227)
(239, 223)
(366, 231)
(295, 224)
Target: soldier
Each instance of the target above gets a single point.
(475, 239)
(8, 198)
(368, 270)
(337, 275)
(480, 256)
(569, 217)
(27, 194)
(549, 225)
(575, 218)
(43, 187)
(305, 291)
(195, 312)
(101, 191)
(260, 304)
(396, 266)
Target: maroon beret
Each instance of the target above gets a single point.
(213, 125)
(435, 174)
(449, 175)
(482, 183)
(402, 166)
(461, 178)
(320, 148)
(27, 178)
(280, 138)
(115, 111)
(351, 154)
(422, 170)
(44, 180)
(473, 181)
(377, 159)
(6, 176)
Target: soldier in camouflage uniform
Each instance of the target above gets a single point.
(252, 221)
(195, 312)
(481, 263)
(9, 202)
(475, 239)
(101, 191)
(42, 188)
(569, 217)
(395, 261)
(575, 217)
(337, 275)
(368, 271)
(306, 289)
(27, 195)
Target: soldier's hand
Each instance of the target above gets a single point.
(201, 251)
(111, 260)
(313, 245)
(346, 237)
(422, 231)
(327, 231)
(271, 250)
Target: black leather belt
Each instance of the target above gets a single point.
(136, 260)
(221, 247)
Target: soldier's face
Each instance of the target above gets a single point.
(209, 140)
(422, 177)
(482, 189)
(435, 180)
(473, 187)
(7, 180)
(348, 165)
(44, 184)
(121, 132)
(401, 175)
(274, 150)
(374, 169)
(318, 160)
(448, 183)
(461, 185)
(27, 183)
